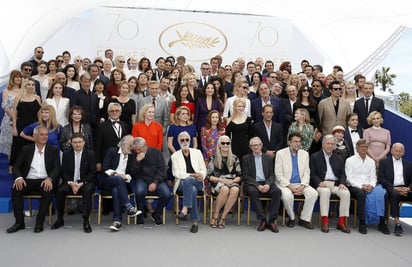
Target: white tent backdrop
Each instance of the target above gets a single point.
(340, 32)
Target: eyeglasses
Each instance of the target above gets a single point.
(337, 89)
(225, 143)
(114, 110)
(315, 85)
(255, 145)
(228, 69)
(173, 79)
(273, 77)
(40, 52)
(122, 61)
(60, 61)
(306, 90)
(184, 140)
(27, 69)
(79, 60)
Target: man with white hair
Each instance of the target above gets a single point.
(189, 170)
(259, 181)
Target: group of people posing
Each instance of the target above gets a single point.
(275, 133)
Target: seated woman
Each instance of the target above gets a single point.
(115, 178)
(46, 118)
(223, 171)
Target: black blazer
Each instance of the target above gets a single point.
(90, 103)
(87, 166)
(152, 169)
(348, 139)
(276, 136)
(106, 138)
(51, 159)
(359, 108)
(386, 174)
(249, 170)
(111, 161)
(256, 110)
(317, 164)
(288, 115)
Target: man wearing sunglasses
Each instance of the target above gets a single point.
(37, 57)
(333, 110)
(189, 170)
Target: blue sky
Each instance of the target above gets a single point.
(400, 61)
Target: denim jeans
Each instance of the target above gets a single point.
(190, 188)
(162, 190)
(118, 187)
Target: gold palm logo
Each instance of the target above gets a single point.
(192, 40)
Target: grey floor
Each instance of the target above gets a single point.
(174, 245)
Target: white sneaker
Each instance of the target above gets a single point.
(116, 226)
(133, 211)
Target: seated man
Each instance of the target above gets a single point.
(292, 177)
(78, 175)
(149, 171)
(115, 178)
(327, 174)
(35, 171)
(395, 174)
(189, 170)
(260, 182)
(361, 177)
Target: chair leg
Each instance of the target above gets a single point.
(248, 212)
(99, 209)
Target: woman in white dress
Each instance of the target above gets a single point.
(43, 79)
(60, 103)
(8, 96)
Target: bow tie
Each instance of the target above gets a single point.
(115, 122)
(353, 131)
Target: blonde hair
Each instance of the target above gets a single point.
(305, 113)
(177, 113)
(236, 102)
(373, 114)
(143, 111)
(52, 124)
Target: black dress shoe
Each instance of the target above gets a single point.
(38, 229)
(86, 227)
(273, 227)
(383, 228)
(262, 226)
(194, 228)
(363, 229)
(59, 223)
(182, 216)
(16, 227)
(290, 223)
(305, 224)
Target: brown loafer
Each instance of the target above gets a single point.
(343, 228)
(325, 227)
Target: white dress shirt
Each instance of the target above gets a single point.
(360, 172)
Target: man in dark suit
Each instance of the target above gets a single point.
(160, 71)
(269, 132)
(94, 72)
(88, 100)
(259, 179)
(395, 175)
(327, 175)
(204, 76)
(352, 133)
(149, 172)
(251, 68)
(287, 107)
(264, 99)
(109, 133)
(26, 69)
(78, 175)
(116, 177)
(36, 171)
(366, 104)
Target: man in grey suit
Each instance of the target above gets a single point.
(160, 104)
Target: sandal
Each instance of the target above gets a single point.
(213, 223)
(221, 224)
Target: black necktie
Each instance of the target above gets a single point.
(367, 105)
(154, 101)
